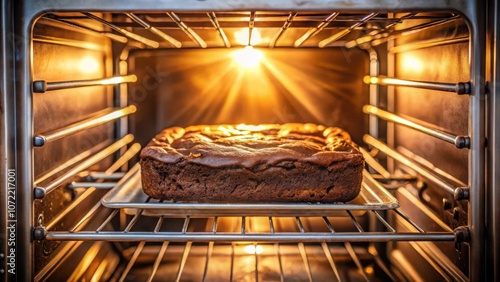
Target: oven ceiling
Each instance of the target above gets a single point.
(233, 29)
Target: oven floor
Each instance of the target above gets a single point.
(249, 262)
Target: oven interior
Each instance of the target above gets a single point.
(104, 83)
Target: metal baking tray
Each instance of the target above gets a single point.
(128, 195)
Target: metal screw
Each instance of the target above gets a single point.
(2, 255)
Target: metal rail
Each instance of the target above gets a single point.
(279, 238)
(273, 235)
(76, 159)
(129, 34)
(251, 24)
(325, 42)
(213, 19)
(370, 36)
(411, 30)
(40, 192)
(427, 44)
(112, 36)
(189, 32)
(423, 162)
(458, 140)
(154, 30)
(41, 139)
(285, 26)
(42, 86)
(459, 88)
(426, 174)
(313, 31)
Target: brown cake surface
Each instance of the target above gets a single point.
(252, 164)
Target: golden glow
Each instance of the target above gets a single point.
(253, 249)
(248, 57)
(412, 63)
(274, 91)
(89, 65)
(241, 37)
(370, 79)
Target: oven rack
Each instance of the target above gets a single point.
(307, 224)
(176, 29)
(189, 232)
(224, 228)
(253, 262)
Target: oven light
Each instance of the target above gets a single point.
(247, 57)
(253, 249)
(89, 65)
(241, 37)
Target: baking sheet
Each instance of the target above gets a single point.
(128, 195)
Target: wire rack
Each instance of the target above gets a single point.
(253, 262)
(159, 222)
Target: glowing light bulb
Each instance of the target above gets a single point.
(247, 57)
(251, 249)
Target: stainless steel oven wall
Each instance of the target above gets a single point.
(7, 139)
(438, 54)
(67, 54)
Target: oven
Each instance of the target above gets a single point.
(86, 84)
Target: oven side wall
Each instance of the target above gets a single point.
(7, 141)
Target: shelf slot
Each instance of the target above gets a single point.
(402, 159)
(154, 30)
(285, 26)
(315, 30)
(427, 164)
(41, 139)
(213, 19)
(82, 197)
(40, 192)
(78, 158)
(325, 42)
(458, 140)
(189, 32)
(129, 34)
(459, 88)
(42, 86)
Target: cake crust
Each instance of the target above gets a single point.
(252, 164)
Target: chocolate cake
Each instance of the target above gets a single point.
(252, 164)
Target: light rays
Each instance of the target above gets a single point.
(287, 86)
